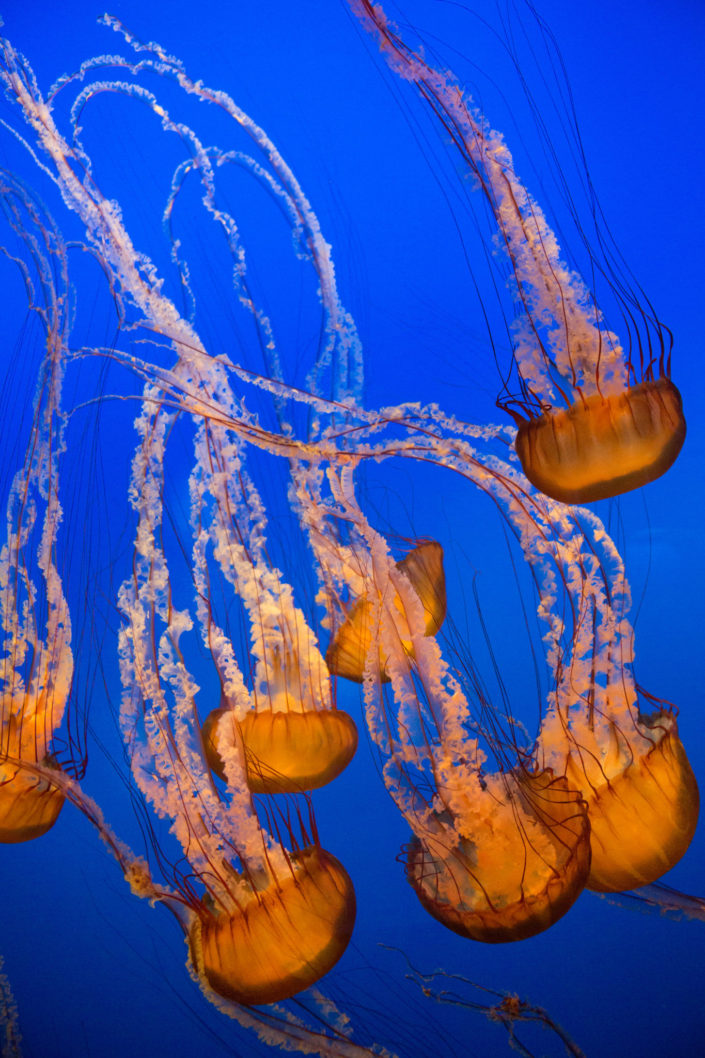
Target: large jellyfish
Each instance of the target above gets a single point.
(37, 662)
(594, 419)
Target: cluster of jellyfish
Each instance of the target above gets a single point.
(504, 834)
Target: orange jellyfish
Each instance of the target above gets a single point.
(350, 645)
(292, 735)
(618, 744)
(36, 669)
(593, 419)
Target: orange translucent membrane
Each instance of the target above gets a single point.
(642, 815)
(287, 751)
(347, 653)
(281, 939)
(29, 805)
(523, 868)
(603, 446)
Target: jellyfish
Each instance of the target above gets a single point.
(594, 420)
(619, 744)
(348, 648)
(37, 663)
(293, 736)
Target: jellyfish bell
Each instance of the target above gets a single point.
(285, 933)
(29, 803)
(349, 647)
(642, 797)
(522, 869)
(287, 748)
(601, 446)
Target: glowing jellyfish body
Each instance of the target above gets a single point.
(601, 446)
(284, 938)
(348, 650)
(523, 865)
(642, 798)
(616, 431)
(286, 751)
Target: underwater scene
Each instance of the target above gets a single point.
(351, 562)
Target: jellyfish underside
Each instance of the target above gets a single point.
(348, 650)
(283, 938)
(642, 816)
(520, 875)
(29, 804)
(286, 751)
(603, 446)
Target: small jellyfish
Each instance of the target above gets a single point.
(293, 737)
(349, 647)
(281, 934)
(594, 420)
(506, 864)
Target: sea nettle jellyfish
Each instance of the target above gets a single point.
(351, 641)
(292, 736)
(594, 419)
(617, 743)
(36, 669)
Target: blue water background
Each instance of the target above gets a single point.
(95, 972)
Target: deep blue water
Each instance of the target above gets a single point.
(97, 973)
